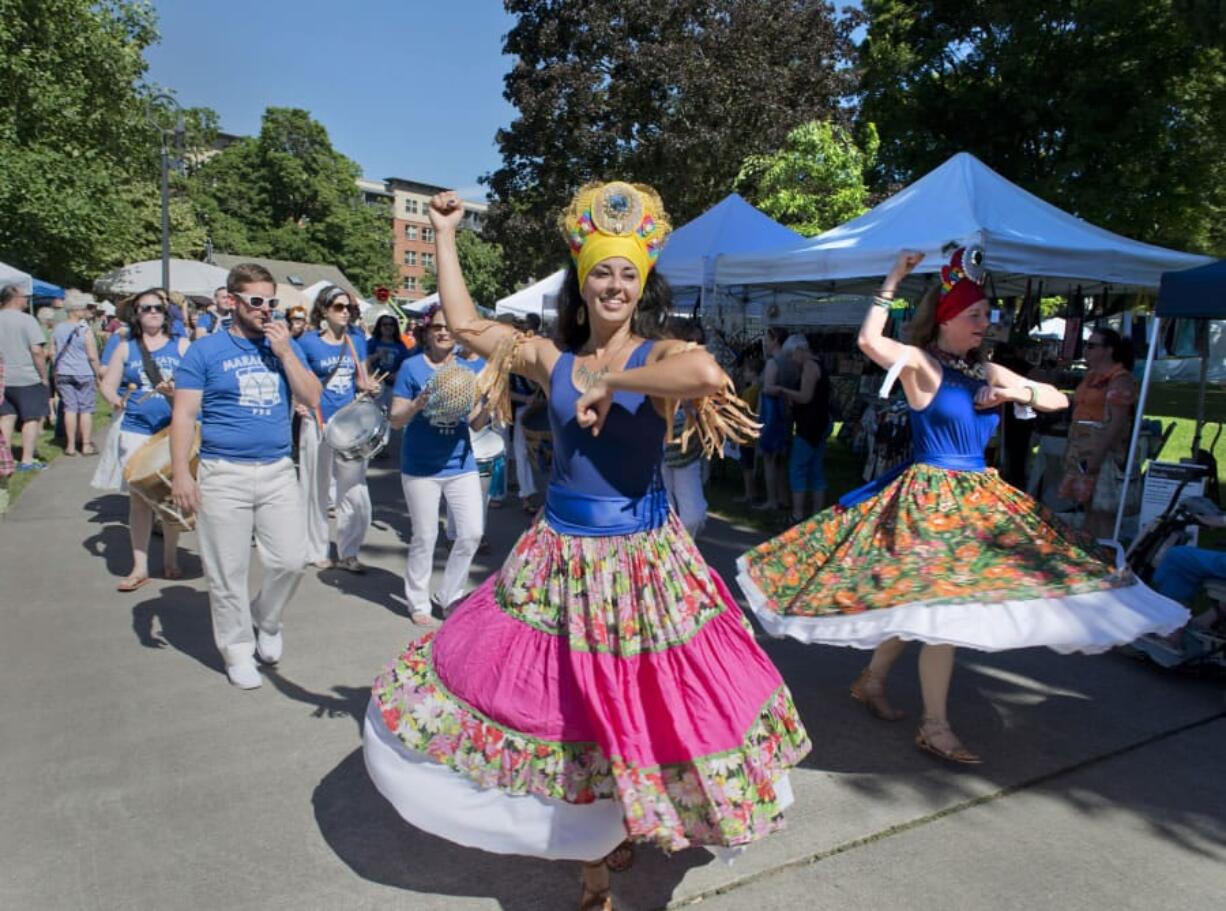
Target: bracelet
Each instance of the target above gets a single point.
(888, 303)
(1034, 393)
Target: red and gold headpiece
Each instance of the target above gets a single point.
(961, 282)
(615, 219)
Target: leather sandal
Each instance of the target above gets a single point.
(595, 899)
(131, 583)
(621, 858)
(870, 689)
(955, 753)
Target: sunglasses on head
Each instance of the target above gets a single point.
(255, 302)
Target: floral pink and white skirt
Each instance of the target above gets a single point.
(596, 688)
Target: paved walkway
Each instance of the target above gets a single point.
(135, 777)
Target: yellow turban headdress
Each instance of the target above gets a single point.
(615, 219)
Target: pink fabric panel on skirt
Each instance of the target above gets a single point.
(654, 708)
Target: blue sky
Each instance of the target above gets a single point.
(406, 88)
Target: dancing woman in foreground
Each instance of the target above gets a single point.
(941, 550)
(602, 686)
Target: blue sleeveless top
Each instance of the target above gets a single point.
(950, 433)
(610, 484)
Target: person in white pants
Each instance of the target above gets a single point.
(436, 461)
(336, 355)
(238, 382)
(682, 471)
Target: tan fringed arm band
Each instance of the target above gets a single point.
(494, 380)
(716, 419)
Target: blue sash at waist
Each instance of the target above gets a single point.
(571, 513)
(951, 461)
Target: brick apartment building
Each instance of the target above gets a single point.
(413, 246)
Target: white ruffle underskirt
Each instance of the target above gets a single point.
(437, 800)
(1092, 622)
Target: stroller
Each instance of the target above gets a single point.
(1201, 645)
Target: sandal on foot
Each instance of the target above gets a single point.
(89, 449)
(621, 858)
(595, 899)
(131, 584)
(870, 689)
(931, 730)
(422, 618)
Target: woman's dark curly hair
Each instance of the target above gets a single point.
(650, 314)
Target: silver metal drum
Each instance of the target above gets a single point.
(358, 431)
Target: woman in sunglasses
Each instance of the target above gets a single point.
(144, 364)
(336, 352)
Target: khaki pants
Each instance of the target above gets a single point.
(237, 498)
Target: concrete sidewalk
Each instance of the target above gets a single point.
(136, 777)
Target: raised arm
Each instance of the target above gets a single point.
(872, 340)
(477, 334)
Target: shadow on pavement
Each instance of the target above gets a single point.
(178, 617)
(373, 841)
(376, 585)
(342, 701)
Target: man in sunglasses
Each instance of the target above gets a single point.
(239, 383)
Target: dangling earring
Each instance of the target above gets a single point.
(581, 316)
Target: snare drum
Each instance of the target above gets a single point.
(358, 431)
(149, 476)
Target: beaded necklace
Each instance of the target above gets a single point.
(975, 370)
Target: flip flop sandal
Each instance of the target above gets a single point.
(91, 449)
(131, 584)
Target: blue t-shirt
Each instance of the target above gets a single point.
(111, 344)
(245, 409)
(206, 322)
(152, 414)
(427, 450)
(390, 355)
(322, 357)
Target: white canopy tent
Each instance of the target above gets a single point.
(540, 298)
(965, 201)
(12, 276)
(186, 276)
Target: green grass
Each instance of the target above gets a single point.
(48, 450)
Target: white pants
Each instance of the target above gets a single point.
(523, 466)
(684, 486)
(318, 467)
(237, 498)
(464, 503)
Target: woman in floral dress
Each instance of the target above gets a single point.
(941, 550)
(603, 686)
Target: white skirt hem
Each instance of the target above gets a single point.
(1092, 622)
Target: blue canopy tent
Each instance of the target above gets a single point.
(46, 289)
(1198, 293)
(730, 226)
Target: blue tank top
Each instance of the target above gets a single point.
(153, 413)
(951, 432)
(610, 484)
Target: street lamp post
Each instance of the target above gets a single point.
(156, 104)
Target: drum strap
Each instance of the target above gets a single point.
(319, 415)
(150, 365)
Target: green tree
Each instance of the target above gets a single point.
(289, 194)
(484, 269)
(78, 156)
(816, 181)
(673, 94)
(1114, 110)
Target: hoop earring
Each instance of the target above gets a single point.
(581, 316)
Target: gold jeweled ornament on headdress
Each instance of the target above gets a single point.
(615, 219)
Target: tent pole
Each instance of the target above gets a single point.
(1202, 345)
(1136, 427)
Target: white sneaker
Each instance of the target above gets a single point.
(268, 646)
(244, 676)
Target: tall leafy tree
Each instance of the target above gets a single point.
(288, 194)
(484, 269)
(78, 156)
(816, 181)
(1112, 109)
(674, 94)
